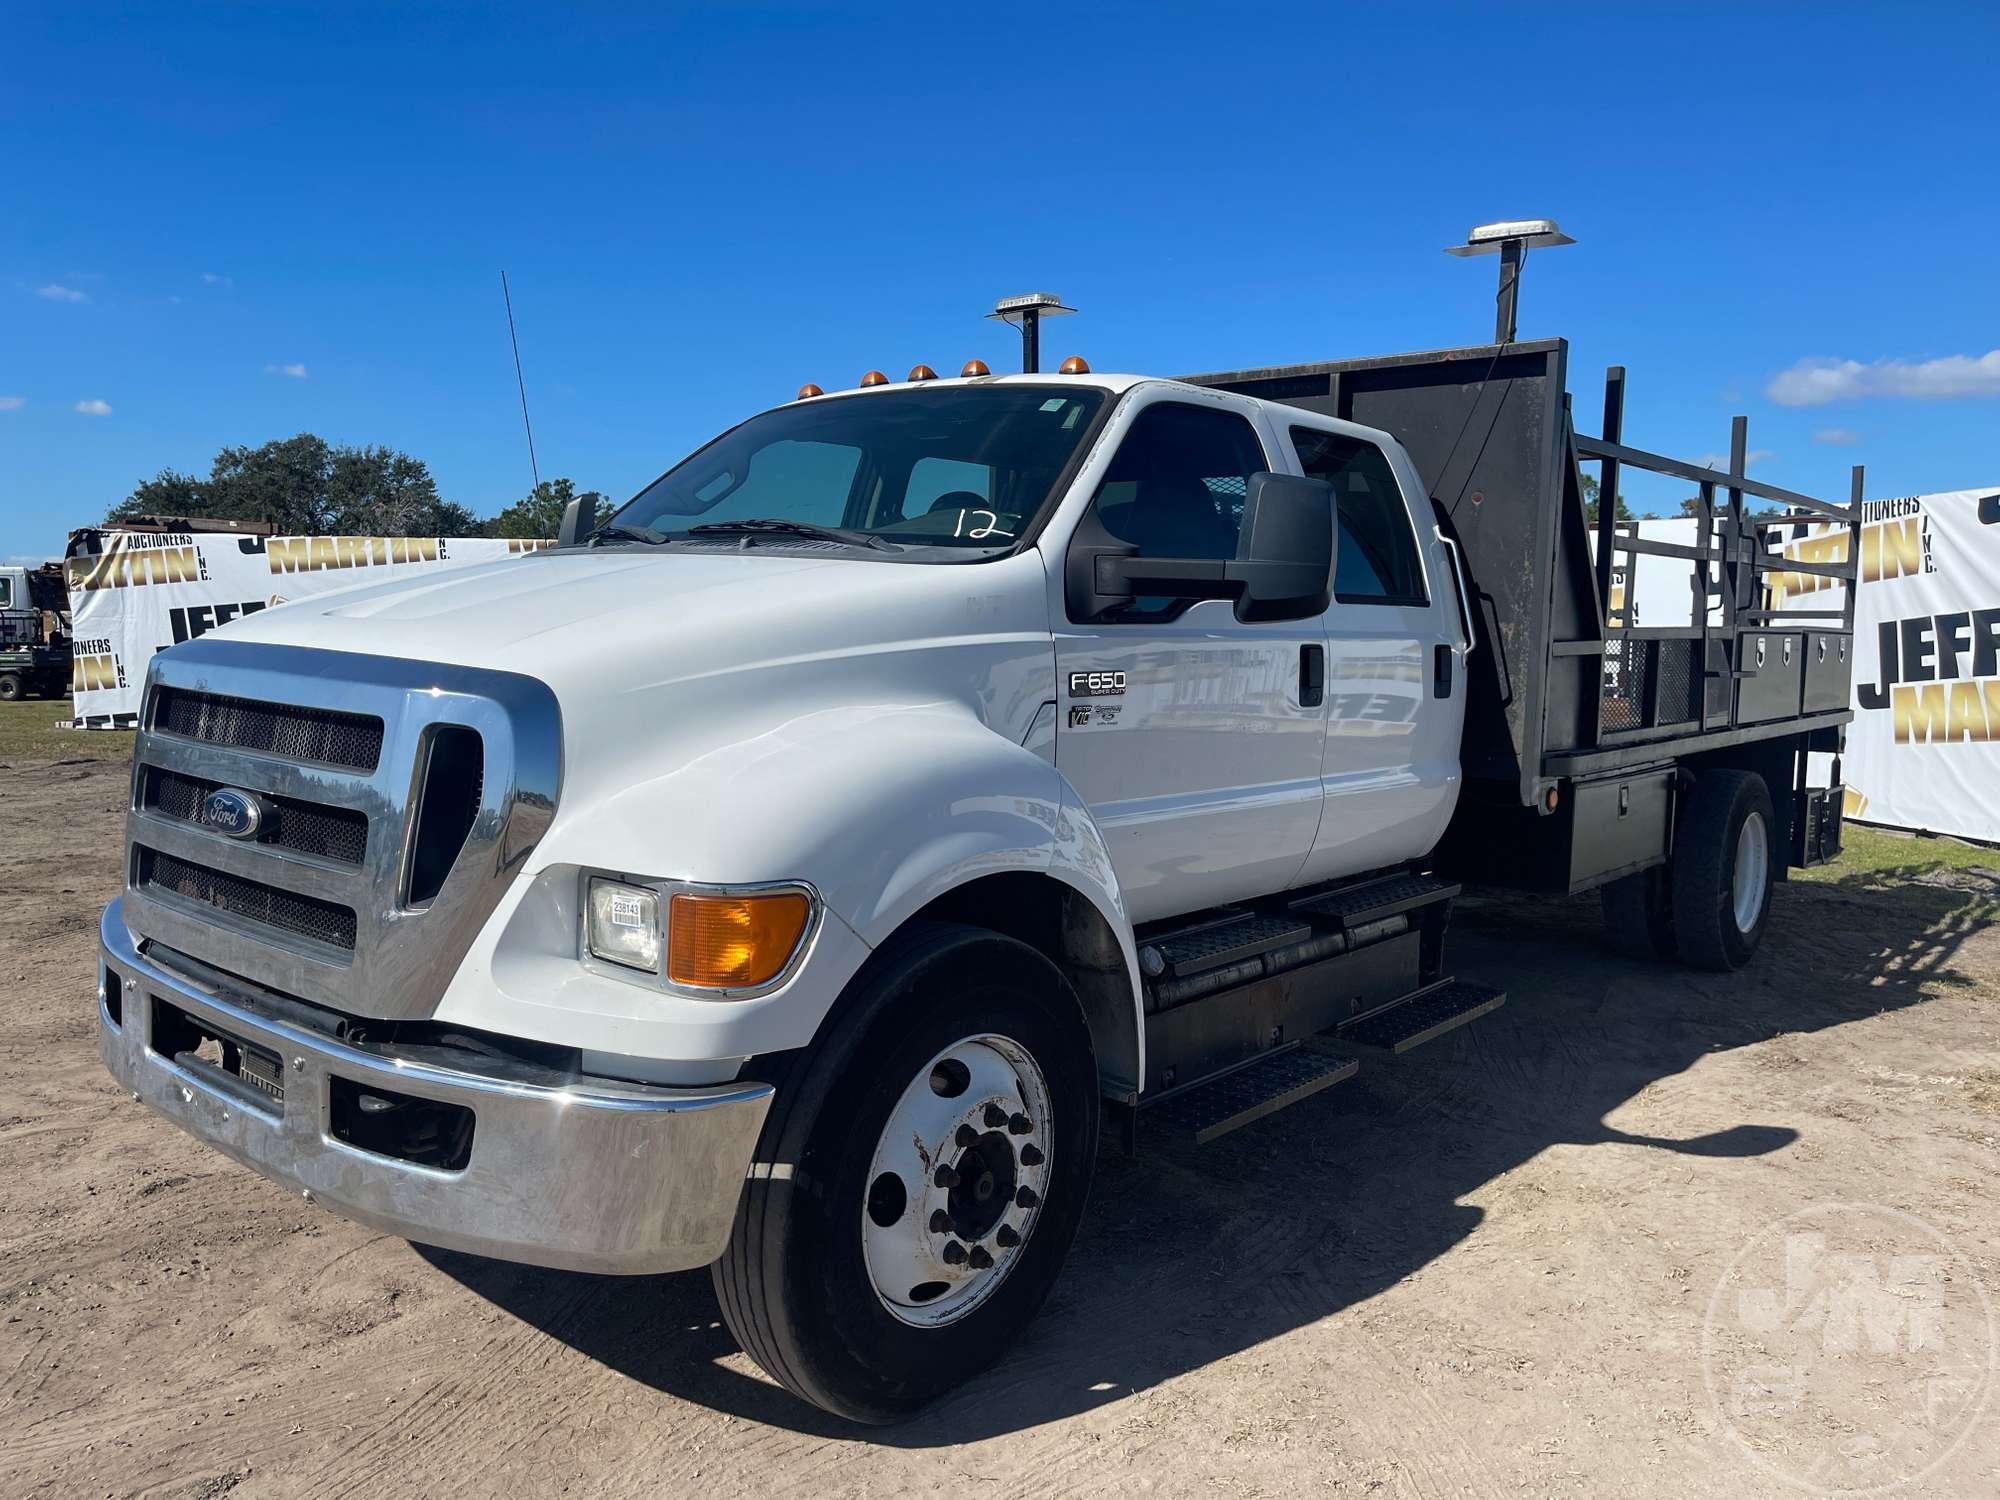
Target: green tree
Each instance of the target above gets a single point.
(305, 487)
(1590, 493)
(539, 513)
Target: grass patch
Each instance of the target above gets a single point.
(28, 733)
(1877, 852)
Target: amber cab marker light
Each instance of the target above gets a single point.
(733, 942)
(874, 377)
(809, 390)
(1074, 365)
(922, 372)
(973, 369)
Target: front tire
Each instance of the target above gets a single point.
(919, 1179)
(10, 687)
(1725, 853)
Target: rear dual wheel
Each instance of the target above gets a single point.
(1709, 904)
(919, 1179)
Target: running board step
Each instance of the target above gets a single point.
(1202, 1111)
(1357, 905)
(1422, 1017)
(1215, 944)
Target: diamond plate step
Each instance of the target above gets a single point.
(1222, 943)
(1203, 1111)
(1354, 906)
(1423, 1017)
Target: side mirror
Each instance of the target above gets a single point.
(1285, 549)
(577, 516)
(1283, 568)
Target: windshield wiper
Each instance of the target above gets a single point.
(622, 531)
(778, 526)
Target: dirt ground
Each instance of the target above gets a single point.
(1487, 1267)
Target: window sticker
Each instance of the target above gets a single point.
(1055, 403)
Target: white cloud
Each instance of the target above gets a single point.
(1720, 461)
(56, 292)
(1837, 437)
(94, 408)
(293, 371)
(1818, 382)
(12, 403)
(212, 278)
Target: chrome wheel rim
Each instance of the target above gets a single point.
(956, 1184)
(1753, 865)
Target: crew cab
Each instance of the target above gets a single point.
(793, 874)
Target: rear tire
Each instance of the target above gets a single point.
(1725, 854)
(10, 687)
(829, 1306)
(1639, 913)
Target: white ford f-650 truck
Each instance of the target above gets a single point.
(790, 876)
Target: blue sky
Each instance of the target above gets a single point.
(224, 225)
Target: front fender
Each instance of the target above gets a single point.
(880, 809)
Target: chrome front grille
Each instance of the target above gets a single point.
(247, 901)
(334, 833)
(281, 729)
(396, 801)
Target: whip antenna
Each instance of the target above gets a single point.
(514, 338)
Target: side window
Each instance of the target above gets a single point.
(1176, 486)
(6, 593)
(1377, 561)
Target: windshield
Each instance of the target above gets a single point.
(961, 467)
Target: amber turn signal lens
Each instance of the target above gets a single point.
(733, 942)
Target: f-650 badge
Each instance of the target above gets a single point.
(1096, 684)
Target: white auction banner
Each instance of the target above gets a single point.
(1923, 751)
(148, 591)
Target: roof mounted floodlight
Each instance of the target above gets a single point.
(1026, 312)
(1510, 239)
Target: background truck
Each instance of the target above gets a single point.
(792, 875)
(34, 633)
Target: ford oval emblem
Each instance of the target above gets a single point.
(238, 814)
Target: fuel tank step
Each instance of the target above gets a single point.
(1215, 944)
(1422, 1017)
(1203, 1111)
(1357, 905)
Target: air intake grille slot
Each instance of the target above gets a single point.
(454, 777)
(247, 900)
(321, 735)
(335, 833)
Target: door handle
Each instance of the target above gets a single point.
(1312, 676)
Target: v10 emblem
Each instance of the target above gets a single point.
(1096, 684)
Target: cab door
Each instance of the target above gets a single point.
(1395, 688)
(1193, 738)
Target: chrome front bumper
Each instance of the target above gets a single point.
(595, 1176)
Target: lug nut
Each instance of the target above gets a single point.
(1006, 1237)
(995, 1117)
(966, 1136)
(945, 1177)
(1031, 1156)
(954, 1254)
(980, 1260)
(940, 1222)
(1027, 1197)
(1019, 1125)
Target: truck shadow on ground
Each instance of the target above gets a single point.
(1189, 1256)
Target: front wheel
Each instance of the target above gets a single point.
(919, 1179)
(10, 687)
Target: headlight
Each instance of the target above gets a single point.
(624, 924)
